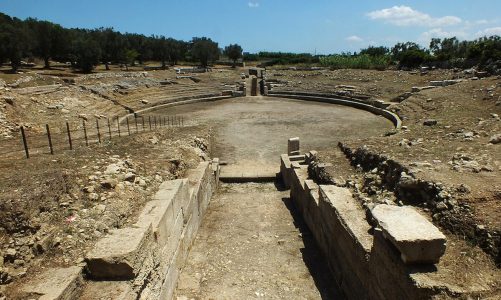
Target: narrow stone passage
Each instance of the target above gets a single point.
(250, 245)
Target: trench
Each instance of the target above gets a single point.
(252, 243)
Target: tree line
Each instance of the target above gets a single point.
(445, 53)
(86, 48)
(484, 52)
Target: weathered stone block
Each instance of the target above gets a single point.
(159, 215)
(293, 146)
(417, 239)
(299, 158)
(285, 170)
(160, 212)
(56, 284)
(349, 212)
(119, 256)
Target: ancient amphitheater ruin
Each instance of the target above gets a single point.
(250, 183)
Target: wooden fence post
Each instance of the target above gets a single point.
(25, 143)
(155, 120)
(142, 120)
(85, 133)
(69, 135)
(149, 121)
(98, 132)
(109, 128)
(128, 128)
(50, 139)
(118, 126)
(135, 120)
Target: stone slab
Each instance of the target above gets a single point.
(417, 239)
(349, 212)
(56, 284)
(119, 256)
(116, 290)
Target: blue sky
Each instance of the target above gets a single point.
(324, 26)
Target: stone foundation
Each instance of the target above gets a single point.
(371, 256)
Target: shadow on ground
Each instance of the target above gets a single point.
(312, 257)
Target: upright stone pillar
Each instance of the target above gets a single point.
(293, 146)
(254, 87)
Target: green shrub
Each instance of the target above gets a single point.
(356, 62)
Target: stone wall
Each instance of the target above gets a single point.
(371, 255)
(141, 261)
(374, 107)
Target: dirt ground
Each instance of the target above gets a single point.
(252, 245)
(254, 130)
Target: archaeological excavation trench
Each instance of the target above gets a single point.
(252, 241)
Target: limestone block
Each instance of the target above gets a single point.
(160, 216)
(293, 146)
(120, 255)
(116, 290)
(254, 87)
(285, 170)
(297, 158)
(417, 239)
(174, 239)
(56, 284)
(160, 212)
(215, 164)
(310, 185)
(349, 212)
(437, 83)
(169, 283)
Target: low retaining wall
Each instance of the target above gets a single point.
(337, 100)
(385, 253)
(184, 100)
(142, 261)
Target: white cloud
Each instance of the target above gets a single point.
(489, 32)
(355, 39)
(253, 4)
(406, 16)
(440, 33)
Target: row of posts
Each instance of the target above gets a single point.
(153, 123)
